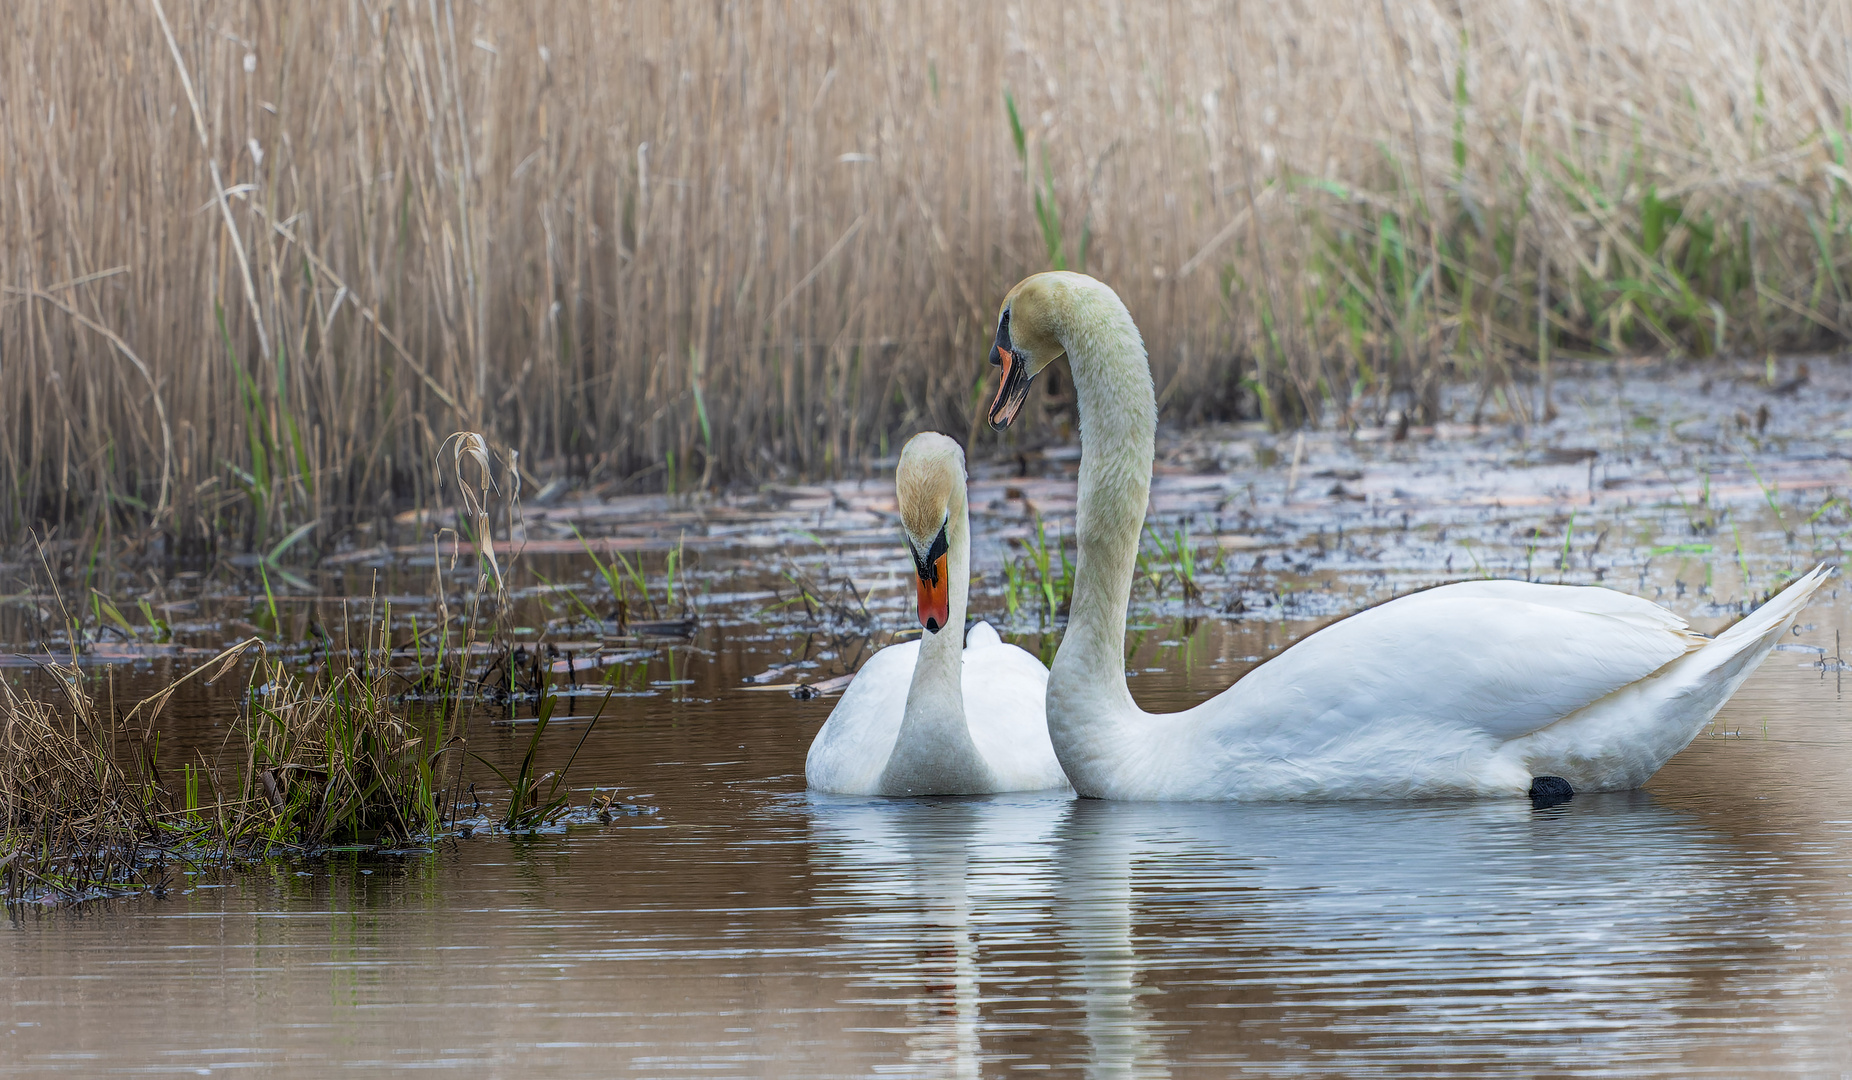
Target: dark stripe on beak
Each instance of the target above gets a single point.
(935, 586)
(1013, 388)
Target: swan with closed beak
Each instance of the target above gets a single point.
(1482, 688)
(942, 715)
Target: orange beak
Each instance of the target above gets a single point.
(935, 596)
(1013, 387)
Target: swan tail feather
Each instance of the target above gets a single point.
(1619, 742)
(1720, 667)
(1772, 619)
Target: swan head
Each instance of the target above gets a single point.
(1028, 337)
(930, 475)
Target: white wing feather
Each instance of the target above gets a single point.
(1463, 656)
(1414, 696)
(1005, 690)
(850, 751)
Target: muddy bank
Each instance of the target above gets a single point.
(1715, 480)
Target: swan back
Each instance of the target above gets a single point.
(1468, 689)
(854, 744)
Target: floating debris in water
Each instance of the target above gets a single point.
(806, 691)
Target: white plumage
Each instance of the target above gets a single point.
(929, 717)
(1004, 690)
(1468, 689)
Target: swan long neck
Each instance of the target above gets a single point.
(1089, 704)
(934, 752)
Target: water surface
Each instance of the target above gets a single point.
(750, 929)
(1701, 927)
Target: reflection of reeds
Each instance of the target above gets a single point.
(253, 266)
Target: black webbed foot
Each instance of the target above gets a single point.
(1549, 791)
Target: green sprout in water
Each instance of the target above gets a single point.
(536, 801)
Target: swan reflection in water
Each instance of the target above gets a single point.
(929, 893)
(1610, 931)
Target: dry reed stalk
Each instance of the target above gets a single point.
(71, 820)
(665, 245)
(85, 808)
(55, 766)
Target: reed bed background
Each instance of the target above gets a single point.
(259, 259)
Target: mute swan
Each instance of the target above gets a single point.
(900, 728)
(1473, 689)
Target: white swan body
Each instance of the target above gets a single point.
(1004, 689)
(1465, 690)
(939, 716)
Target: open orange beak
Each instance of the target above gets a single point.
(935, 598)
(1013, 388)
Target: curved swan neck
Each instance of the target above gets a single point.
(933, 751)
(1087, 694)
(942, 654)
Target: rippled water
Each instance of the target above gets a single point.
(1702, 927)
(750, 929)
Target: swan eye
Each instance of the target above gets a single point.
(1003, 347)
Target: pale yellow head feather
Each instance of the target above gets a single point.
(1039, 306)
(930, 473)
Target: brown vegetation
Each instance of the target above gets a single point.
(82, 801)
(257, 259)
(89, 804)
(68, 810)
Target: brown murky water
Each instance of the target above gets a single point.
(1703, 926)
(749, 929)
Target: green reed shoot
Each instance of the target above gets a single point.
(1015, 586)
(621, 576)
(536, 801)
(1180, 562)
(270, 601)
(190, 792)
(101, 607)
(162, 631)
(1042, 195)
(1054, 573)
(1768, 495)
(572, 597)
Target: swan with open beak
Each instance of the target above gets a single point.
(1481, 688)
